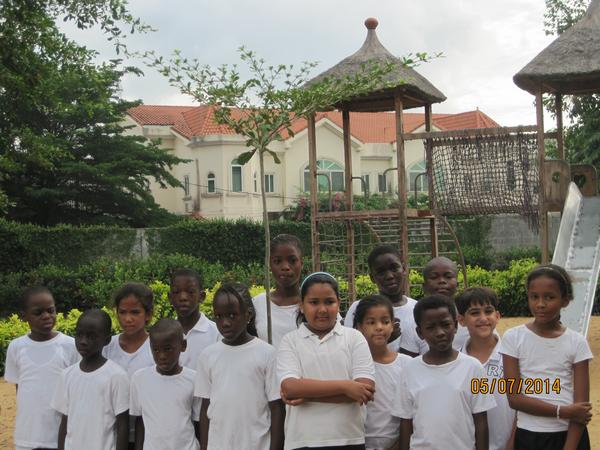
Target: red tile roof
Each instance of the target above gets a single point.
(191, 121)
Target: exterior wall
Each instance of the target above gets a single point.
(215, 154)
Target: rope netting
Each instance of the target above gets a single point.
(486, 175)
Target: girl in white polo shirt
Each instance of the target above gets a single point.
(326, 373)
(546, 366)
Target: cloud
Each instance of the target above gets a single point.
(484, 43)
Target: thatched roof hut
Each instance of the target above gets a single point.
(570, 64)
(415, 89)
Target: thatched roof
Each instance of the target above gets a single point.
(415, 89)
(570, 64)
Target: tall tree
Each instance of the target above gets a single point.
(64, 156)
(582, 138)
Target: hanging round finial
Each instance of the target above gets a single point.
(371, 23)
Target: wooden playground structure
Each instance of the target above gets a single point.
(469, 172)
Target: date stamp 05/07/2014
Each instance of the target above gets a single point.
(527, 386)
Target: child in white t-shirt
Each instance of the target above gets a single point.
(241, 405)
(387, 272)
(34, 363)
(374, 318)
(162, 396)
(326, 373)
(186, 294)
(478, 312)
(435, 401)
(93, 395)
(134, 304)
(546, 367)
(286, 266)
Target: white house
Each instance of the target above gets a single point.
(215, 185)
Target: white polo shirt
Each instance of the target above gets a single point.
(342, 354)
(203, 334)
(283, 319)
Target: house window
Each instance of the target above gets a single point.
(255, 182)
(269, 182)
(330, 170)
(186, 185)
(365, 185)
(236, 176)
(413, 177)
(210, 183)
(381, 183)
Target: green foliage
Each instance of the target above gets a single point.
(64, 155)
(25, 246)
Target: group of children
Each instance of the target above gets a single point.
(395, 373)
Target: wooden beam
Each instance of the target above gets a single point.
(401, 172)
(429, 164)
(351, 268)
(539, 107)
(314, 200)
(560, 142)
(470, 132)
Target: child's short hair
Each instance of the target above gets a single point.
(369, 302)
(166, 326)
(438, 259)
(286, 239)
(481, 296)
(555, 272)
(99, 315)
(379, 250)
(191, 273)
(140, 291)
(434, 301)
(30, 291)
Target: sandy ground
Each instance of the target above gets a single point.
(8, 408)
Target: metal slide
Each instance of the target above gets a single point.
(578, 251)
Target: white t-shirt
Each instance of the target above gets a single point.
(203, 334)
(408, 340)
(542, 359)
(381, 428)
(342, 354)
(240, 382)
(283, 319)
(129, 362)
(167, 406)
(502, 417)
(439, 398)
(92, 401)
(36, 367)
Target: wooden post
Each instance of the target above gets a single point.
(402, 203)
(429, 167)
(560, 142)
(314, 200)
(539, 107)
(348, 194)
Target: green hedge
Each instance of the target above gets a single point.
(228, 242)
(25, 246)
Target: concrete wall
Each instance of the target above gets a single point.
(511, 230)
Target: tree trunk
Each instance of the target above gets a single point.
(263, 195)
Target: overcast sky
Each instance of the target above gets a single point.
(484, 42)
